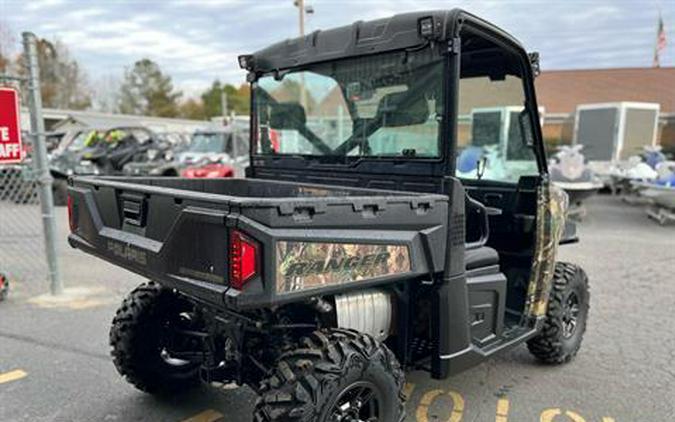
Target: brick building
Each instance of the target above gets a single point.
(560, 91)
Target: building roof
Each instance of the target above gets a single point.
(560, 91)
(61, 119)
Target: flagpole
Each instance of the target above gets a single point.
(659, 28)
(660, 40)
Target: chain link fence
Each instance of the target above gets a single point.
(27, 228)
(22, 248)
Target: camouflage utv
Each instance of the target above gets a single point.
(354, 250)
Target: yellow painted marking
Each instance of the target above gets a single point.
(206, 416)
(408, 389)
(12, 376)
(502, 410)
(457, 406)
(548, 415)
(425, 401)
(608, 419)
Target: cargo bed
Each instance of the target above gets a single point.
(308, 237)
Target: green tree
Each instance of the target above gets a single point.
(238, 99)
(147, 91)
(192, 109)
(63, 83)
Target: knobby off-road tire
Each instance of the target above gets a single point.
(136, 337)
(327, 369)
(570, 297)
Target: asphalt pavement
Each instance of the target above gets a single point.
(54, 363)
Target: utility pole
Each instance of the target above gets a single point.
(40, 163)
(300, 4)
(223, 105)
(302, 9)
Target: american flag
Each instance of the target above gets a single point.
(660, 42)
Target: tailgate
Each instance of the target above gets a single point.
(163, 234)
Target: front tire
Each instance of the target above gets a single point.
(568, 306)
(334, 375)
(139, 346)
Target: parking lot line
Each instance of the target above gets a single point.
(502, 410)
(457, 409)
(408, 389)
(209, 415)
(10, 376)
(549, 415)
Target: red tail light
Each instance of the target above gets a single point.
(243, 259)
(71, 216)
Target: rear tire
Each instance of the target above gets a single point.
(334, 371)
(137, 337)
(568, 306)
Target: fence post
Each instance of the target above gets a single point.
(40, 163)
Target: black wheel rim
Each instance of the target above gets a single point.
(570, 318)
(359, 402)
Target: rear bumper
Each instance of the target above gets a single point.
(208, 293)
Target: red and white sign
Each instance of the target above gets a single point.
(11, 150)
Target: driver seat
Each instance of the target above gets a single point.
(476, 253)
(481, 257)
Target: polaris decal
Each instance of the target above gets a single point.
(308, 265)
(127, 252)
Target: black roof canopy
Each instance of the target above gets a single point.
(377, 36)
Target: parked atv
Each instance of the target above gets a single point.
(352, 252)
(69, 158)
(160, 157)
(221, 152)
(208, 170)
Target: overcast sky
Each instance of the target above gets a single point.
(198, 41)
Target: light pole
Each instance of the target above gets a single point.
(302, 10)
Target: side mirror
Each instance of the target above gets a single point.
(287, 116)
(400, 109)
(534, 62)
(526, 128)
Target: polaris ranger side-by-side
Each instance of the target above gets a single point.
(352, 251)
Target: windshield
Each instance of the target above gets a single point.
(85, 139)
(79, 142)
(209, 142)
(386, 105)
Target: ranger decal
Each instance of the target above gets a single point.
(306, 265)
